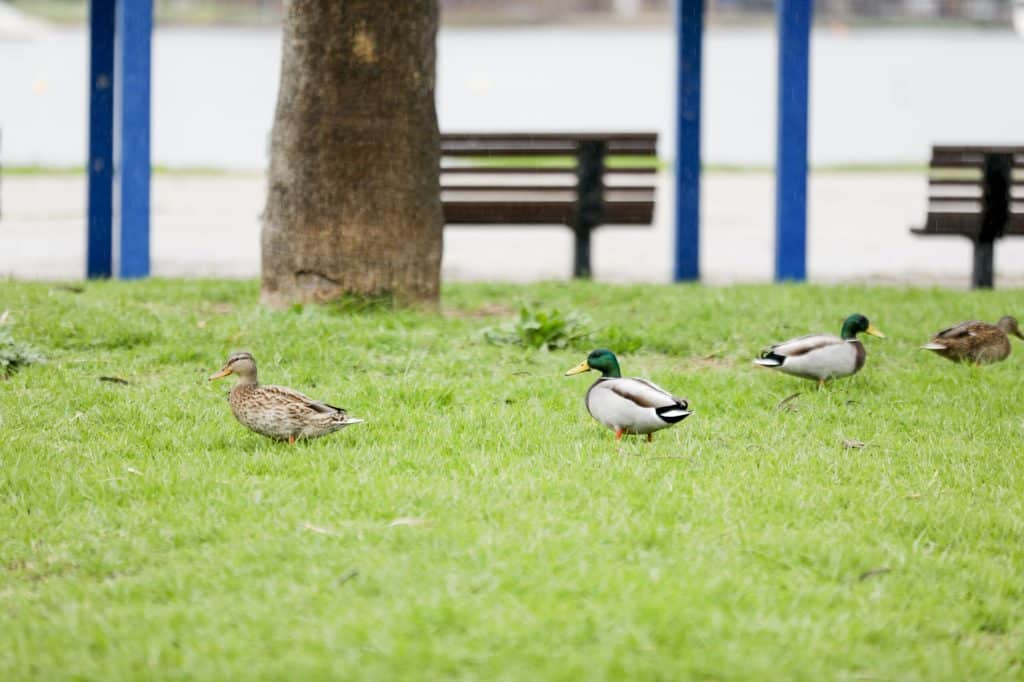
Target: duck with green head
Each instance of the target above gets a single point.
(822, 356)
(628, 405)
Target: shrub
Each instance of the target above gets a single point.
(542, 329)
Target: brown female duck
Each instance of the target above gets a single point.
(979, 343)
(276, 411)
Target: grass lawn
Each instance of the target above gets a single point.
(144, 534)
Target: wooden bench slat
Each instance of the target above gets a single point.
(519, 144)
(508, 212)
(543, 170)
(472, 198)
(541, 212)
(463, 136)
(955, 182)
(552, 149)
(509, 170)
(973, 156)
(629, 213)
(555, 149)
(963, 223)
(956, 161)
(530, 189)
(641, 144)
(526, 189)
(450, 197)
(969, 201)
(978, 149)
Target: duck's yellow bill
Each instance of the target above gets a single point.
(578, 369)
(875, 331)
(220, 375)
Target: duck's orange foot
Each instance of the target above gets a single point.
(650, 437)
(618, 434)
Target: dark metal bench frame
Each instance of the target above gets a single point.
(477, 190)
(977, 192)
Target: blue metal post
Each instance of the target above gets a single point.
(135, 31)
(100, 164)
(689, 33)
(794, 19)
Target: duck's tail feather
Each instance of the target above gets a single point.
(933, 346)
(673, 413)
(770, 359)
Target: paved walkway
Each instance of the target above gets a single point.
(209, 226)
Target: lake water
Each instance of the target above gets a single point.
(877, 95)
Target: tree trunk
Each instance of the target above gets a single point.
(354, 205)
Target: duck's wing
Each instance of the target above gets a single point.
(963, 330)
(964, 338)
(642, 392)
(299, 401)
(801, 345)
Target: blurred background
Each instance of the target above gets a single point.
(889, 79)
(539, 11)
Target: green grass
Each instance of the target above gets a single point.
(144, 534)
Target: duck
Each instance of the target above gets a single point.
(822, 356)
(628, 405)
(976, 342)
(276, 411)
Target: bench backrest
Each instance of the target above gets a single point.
(576, 179)
(976, 191)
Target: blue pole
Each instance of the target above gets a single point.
(100, 164)
(135, 31)
(689, 33)
(794, 19)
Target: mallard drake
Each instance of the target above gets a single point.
(976, 342)
(276, 411)
(822, 356)
(628, 405)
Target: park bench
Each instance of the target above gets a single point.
(580, 180)
(976, 192)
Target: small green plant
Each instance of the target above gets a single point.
(542, 329)
(15, 355)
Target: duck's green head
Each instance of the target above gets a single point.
(602, 360)
(856, 324)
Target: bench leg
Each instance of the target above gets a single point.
(982, 276)
(581, 254)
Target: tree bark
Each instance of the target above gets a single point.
(353, 205)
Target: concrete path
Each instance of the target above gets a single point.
(209, 226)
